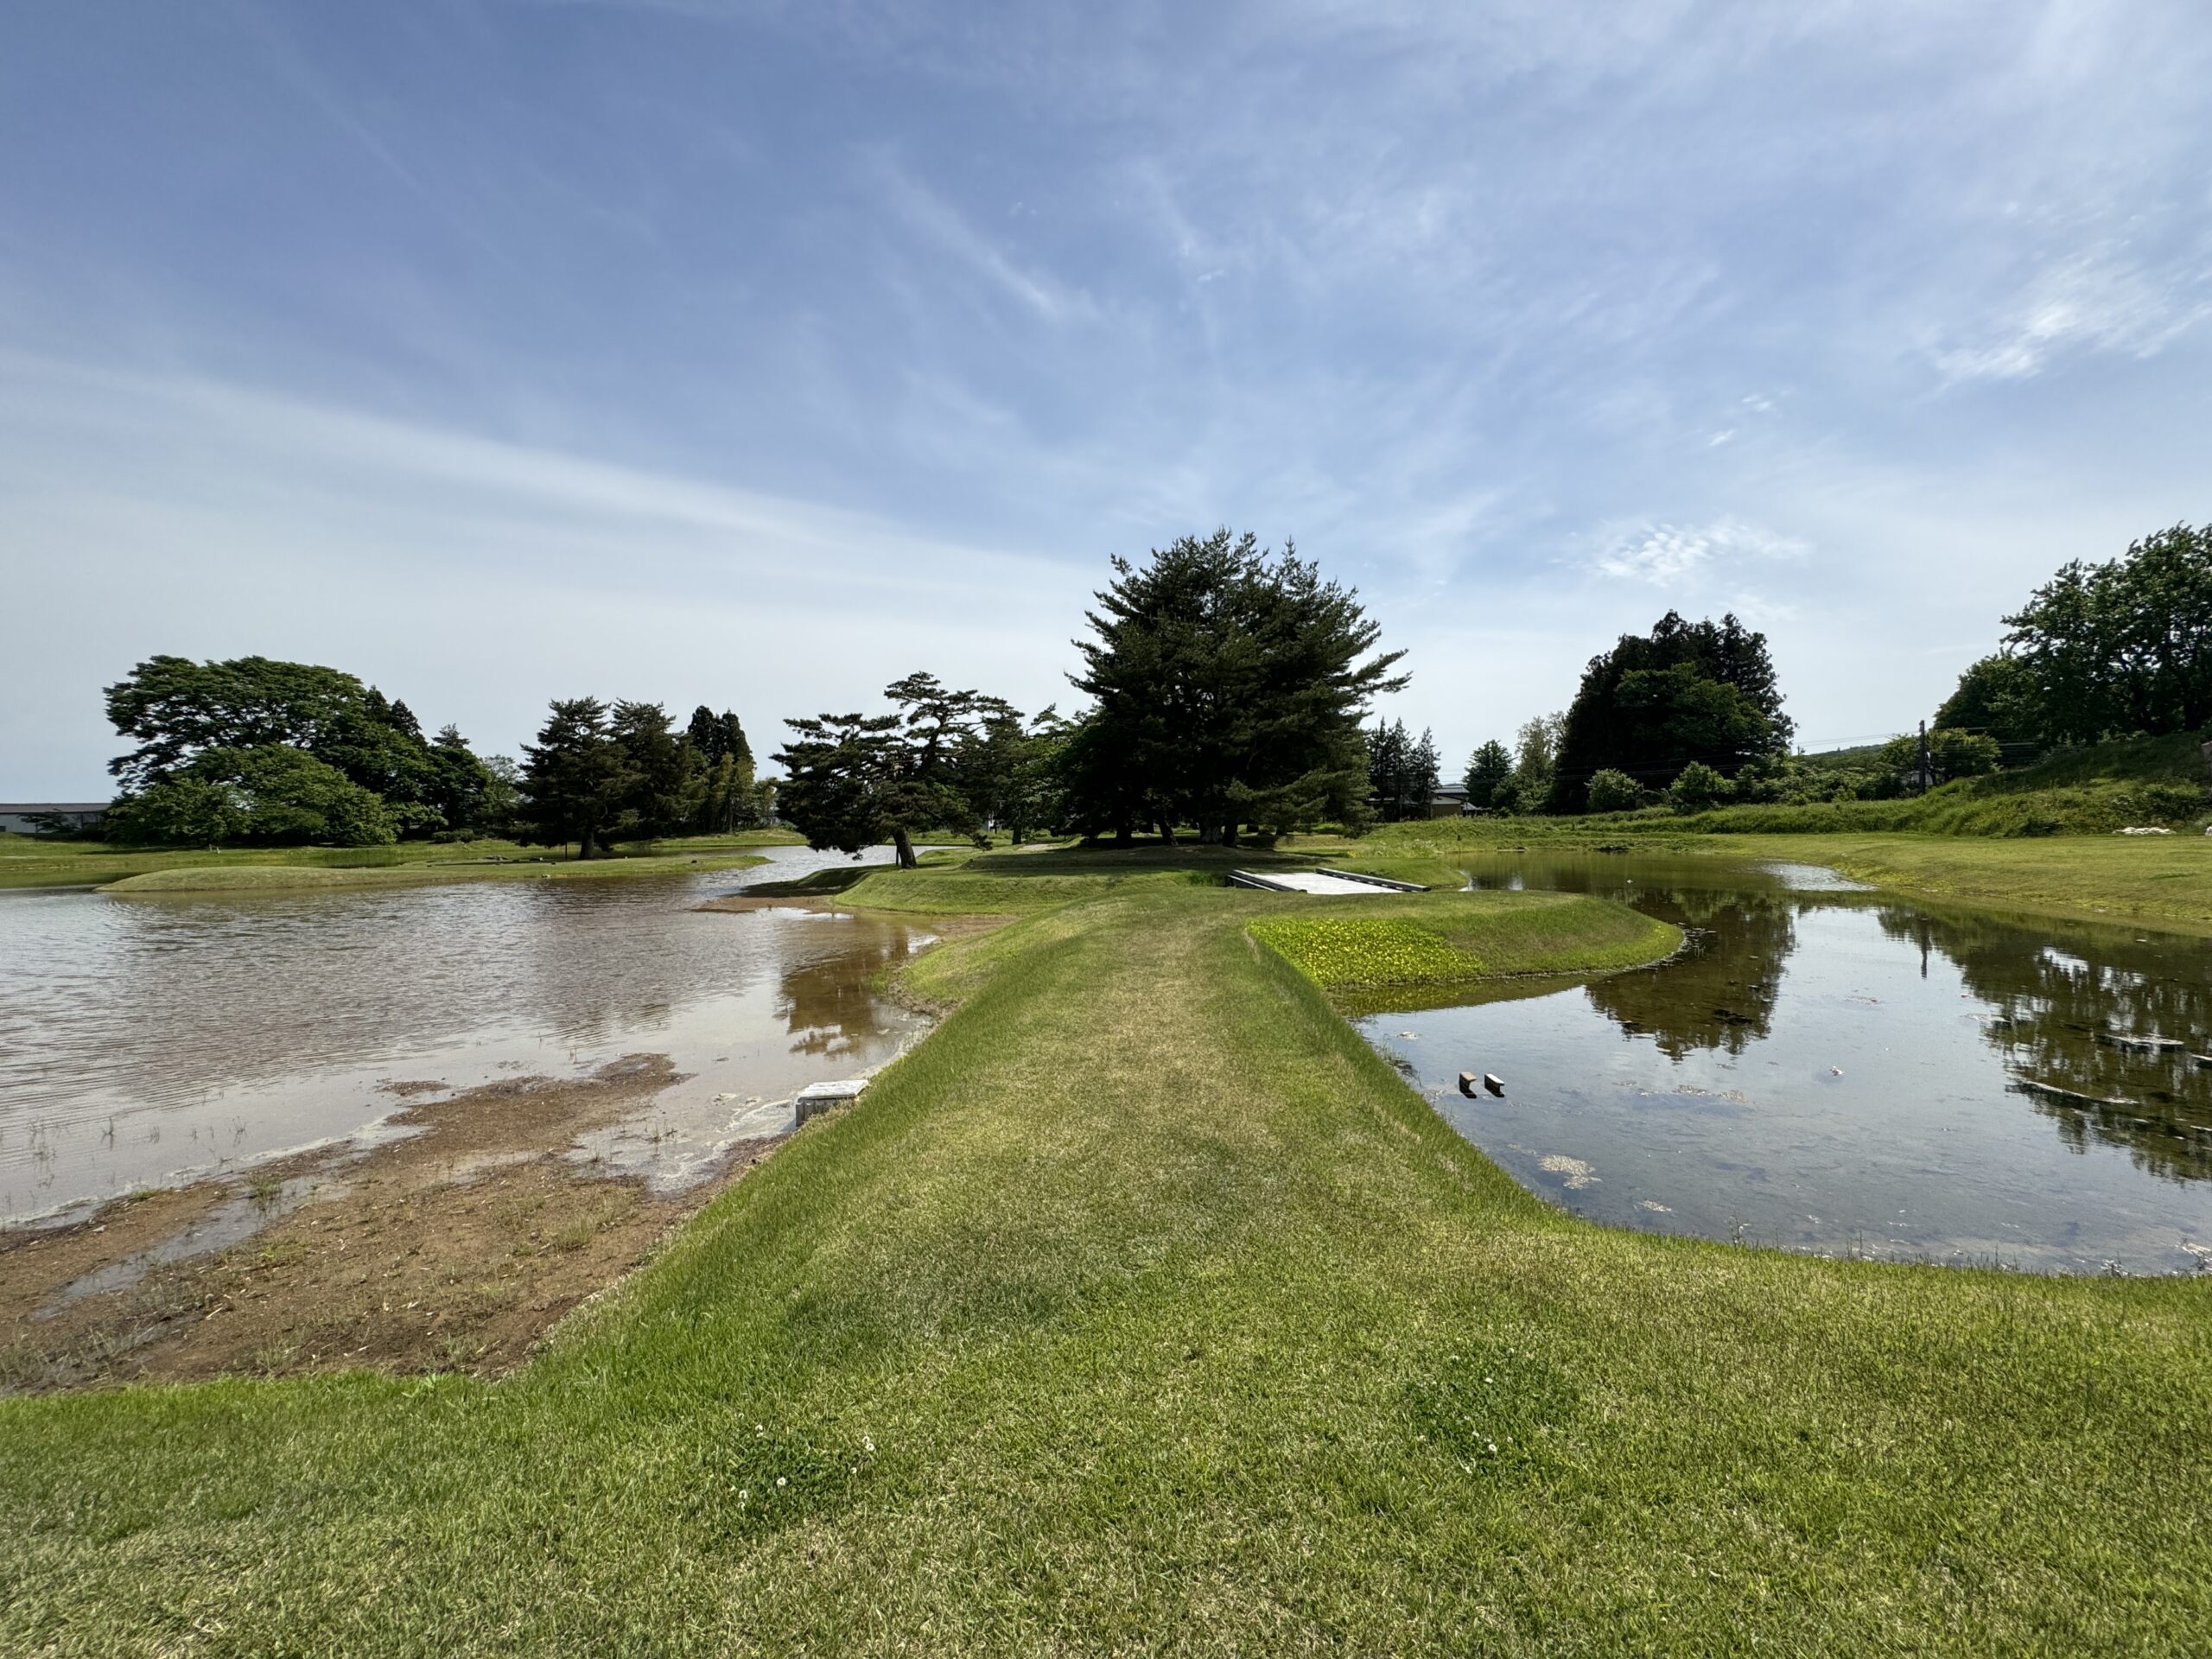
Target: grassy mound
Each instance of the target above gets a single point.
(273, 878)
(1451, 938)
(2159, 781)
(1143, 1307)
(28, 861)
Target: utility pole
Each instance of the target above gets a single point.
(1927, 772)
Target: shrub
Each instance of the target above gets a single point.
(273, 794)
(1700, 787)
(1613, 791)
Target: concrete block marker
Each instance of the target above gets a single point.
(818, 1097)
(1332, 883)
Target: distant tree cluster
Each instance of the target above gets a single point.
(1402, 772)
(2102, 650)
(602, 772)
(1227, 685)
(1687, 693)
(258, 751)
(958, 761)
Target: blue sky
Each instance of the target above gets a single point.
(757, 354)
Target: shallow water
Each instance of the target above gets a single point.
(1830, 1071)
(147, 1040)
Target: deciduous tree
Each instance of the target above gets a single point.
(1703, 692)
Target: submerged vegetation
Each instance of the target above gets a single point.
(1448, 938)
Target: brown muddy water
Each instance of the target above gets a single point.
(146, 1041)
(409, 1128)
(1833, 1071)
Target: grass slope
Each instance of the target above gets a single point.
(1443, 938)
(1143, 1308)
(270, 878)
(37, 862)
(2163, 882)
(2095, 789)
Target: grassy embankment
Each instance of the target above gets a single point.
(1144, 1307)
(37, 862)
(2160, 881)
(2157, 782)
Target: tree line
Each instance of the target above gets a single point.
(2120, 649)
(256, 752)
(1227, 687)
(1690, 714)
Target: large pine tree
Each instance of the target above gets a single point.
(1229, 685)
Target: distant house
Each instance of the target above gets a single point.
(40, 817)
(1450, 801)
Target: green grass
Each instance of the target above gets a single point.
(1449, 939)
(1143, 1308)
(2092, 791)
(38, 862)
(2163, 881)
(2166, 883)
(958, 881)
(270, 878)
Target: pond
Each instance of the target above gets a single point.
(150, 1040)
(1828, 1070)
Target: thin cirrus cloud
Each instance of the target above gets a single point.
(755, 352)
(1684, 556)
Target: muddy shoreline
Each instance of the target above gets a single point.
(451, 1244)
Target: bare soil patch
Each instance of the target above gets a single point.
(453, 1249)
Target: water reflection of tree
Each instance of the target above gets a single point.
(2053, 1006)
(1720, 994)
(831, 1003)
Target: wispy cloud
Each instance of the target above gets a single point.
(2095, 301)
(1683, 556)
(930, 216)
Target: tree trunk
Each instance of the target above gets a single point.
(1125, 833)
(1229, 833)
(587, 844)
(1166, 833)
(906, 846)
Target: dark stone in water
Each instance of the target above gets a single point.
(2071, 1096)
(2139, 1045)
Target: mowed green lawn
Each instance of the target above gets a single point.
(1143, 1308)
(39, 861)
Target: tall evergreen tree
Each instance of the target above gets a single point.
(1424, 772)
(576, 777)
(1487, 767)
(667, 777)
(1229, 686)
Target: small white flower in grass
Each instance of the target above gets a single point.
(743, 1495)
(867, 1443)
(780, 1481)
